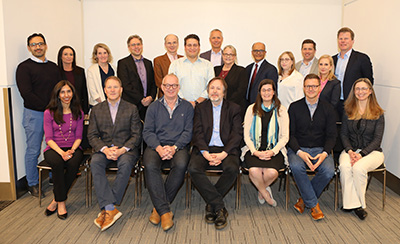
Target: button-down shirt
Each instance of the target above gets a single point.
(142, 73)
(216, 138)
(306, 68)
(341, 69)
(172, 58)
(312, 107)
(113, 110)
(37, 60)
(170, 111)
(193, 77)
(216, 58)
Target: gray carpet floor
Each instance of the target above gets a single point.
(24, 221)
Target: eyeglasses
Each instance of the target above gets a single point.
(169, 86)
(311, 87)
(285, 59)
(362, 89)
(258, 51)
(34, 44)
(229, 54)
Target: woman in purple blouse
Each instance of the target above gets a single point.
(63, 125)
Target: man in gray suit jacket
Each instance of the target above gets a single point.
(309, 64)
(215, 54)
(114, 133)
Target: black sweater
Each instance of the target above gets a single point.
(318, 131)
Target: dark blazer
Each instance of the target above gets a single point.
(237, 83)
(207, 55)
(318, 131)
(359, 66)
(265, 71)
(331, 92)
(126, 132)
(161, 66)
(368, 137)
(80, 87)
(132, 85)
(231, 131)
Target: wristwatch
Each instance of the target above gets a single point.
(176, 148)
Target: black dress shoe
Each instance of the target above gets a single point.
(49, 212)
(62, 216)
(34, 191)
(220, 220)
(361, 213)
(210, 214)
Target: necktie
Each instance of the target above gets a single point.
(253, 77)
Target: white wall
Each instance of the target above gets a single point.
(61, 23)
(282, 25)
(377, 34)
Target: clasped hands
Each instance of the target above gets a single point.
(113, 153)
(215, 159)
(146, 101)
(166, 152)
(67, 155)
(264, 155)
(354, 157)
(307, 159)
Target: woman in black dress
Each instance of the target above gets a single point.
(266, 132)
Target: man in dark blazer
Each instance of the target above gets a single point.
(312, 137)
(137, 76)
(162, 63)
(217, 133)
(258, 71)
(215, 54)
(350, 65)
(115, 134)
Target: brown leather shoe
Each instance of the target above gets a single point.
(299, 206)
(166, 221)
(110, 218)
(316, 213)
(100, 219)
(154, 217)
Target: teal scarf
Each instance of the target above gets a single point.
(255, 130)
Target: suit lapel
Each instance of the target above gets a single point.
(120, 111)
(350, 64)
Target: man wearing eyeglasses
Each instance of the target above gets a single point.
(162, 63)
(193, 72)
(312, 137)
(167, 132)
(259, 70)
(36, 78)
(137, 76)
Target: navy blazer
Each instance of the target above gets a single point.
(359, 66)
(131, 83)
(265, 71)
(231, 131)
(125, 132)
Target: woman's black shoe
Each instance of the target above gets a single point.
(361, 213)
(49, 212)
(62, 216)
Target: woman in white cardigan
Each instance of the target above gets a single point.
(266, 132)
(290, 81)
(98, 73)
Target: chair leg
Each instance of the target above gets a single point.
(238, 189)
(136, 193)
(140, 184)
(40, 187)
(189, 182)
(287, 187)
(336, 190)
(187, 189)
(87, 187)
(384, 190)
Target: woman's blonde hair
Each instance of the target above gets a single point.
(331, 74)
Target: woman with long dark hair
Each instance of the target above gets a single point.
(266, 132)
(362, 131)
(63, 125)
(66, 61)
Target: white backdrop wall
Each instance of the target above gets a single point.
(282, 25)
(377, 34)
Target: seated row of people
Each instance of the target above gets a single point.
(301, 138)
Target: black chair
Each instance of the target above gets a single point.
(380, 169)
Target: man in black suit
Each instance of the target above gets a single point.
(137, 76)
(258, 71)
(350, 65)
(215, 54)
(114, 133)
(217, 133)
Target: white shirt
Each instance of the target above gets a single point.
(216, 58)
(290, 89)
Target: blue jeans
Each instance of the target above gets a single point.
(104, 192)
(311, 190)
(162, 194)
(33, 125)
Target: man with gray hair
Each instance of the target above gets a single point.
(215, 54)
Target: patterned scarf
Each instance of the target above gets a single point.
(255, 130)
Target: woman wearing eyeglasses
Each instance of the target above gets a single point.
(330, 86)
(266, 132)
(362, 131)
(235, 77)
(290, 81)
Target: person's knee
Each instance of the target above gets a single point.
(231, 168)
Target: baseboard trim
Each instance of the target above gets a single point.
(392, 181)
(6, 193)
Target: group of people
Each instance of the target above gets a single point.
(208, 113)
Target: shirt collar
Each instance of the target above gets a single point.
(311, 105)
(138, 60)
(38, 60)
(219, 106)
(260, 62)
(309, 63)
(218, 53)
(116, 104)
(346, 55)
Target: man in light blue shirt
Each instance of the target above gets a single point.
(193, 72)
(309, 64)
